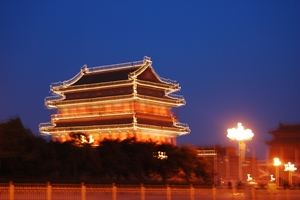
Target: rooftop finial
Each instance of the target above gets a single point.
(146, 58)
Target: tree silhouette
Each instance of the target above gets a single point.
(26, 156)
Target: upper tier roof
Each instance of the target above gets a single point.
(112, 73)
(287, 128)
(106, 76)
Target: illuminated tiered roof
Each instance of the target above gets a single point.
(121, 100)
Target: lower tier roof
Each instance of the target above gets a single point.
(98, 129)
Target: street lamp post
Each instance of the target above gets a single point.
(276, 164)
(240, 134)
(290, 168)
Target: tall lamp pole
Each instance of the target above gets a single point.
(276, 164)
(240, 135)
(290, 168)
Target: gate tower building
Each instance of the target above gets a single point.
(116, 102)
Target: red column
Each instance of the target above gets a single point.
(173, 141)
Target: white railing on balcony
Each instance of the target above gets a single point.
(103, 113)
(110, 98)
(85, 128)
(89, 100)
(89, 114)
(58, 130)
(138, 192)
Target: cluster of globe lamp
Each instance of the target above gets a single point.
(287, 167)
(241, 135)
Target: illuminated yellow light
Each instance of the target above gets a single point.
(277, 162)
(249, 178)
(240, 133)
(91, 140)
(289, 167)
(160, 155)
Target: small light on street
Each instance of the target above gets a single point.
(160, 155)
(272, 178)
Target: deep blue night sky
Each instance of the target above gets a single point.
(236, 61)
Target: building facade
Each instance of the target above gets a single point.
(115, 102)
(224, 162)
(285, 143)
(285, 146)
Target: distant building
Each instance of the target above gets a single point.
(285, 145)
(115, 102)
(224, 162)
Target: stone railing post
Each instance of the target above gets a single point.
(11, 191)
(168, 192)
(253, 193)
(192, 193)
(233, 191)
(83, 191)
(49, 191)
(287, 194)
(114, 192)
(214, 192)
(142, 192)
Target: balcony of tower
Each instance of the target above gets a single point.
(88, 129)
(57, 118)
(163, 127)
(163, 101)
(131, 97)
(99, 93)
(96, 122)
(159, 93)
(107, 131)
(89, 101)
(161, 130)
(116, 94)
(109, 107)
(94, 86)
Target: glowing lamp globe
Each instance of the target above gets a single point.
(277, 162)
(240, 133)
